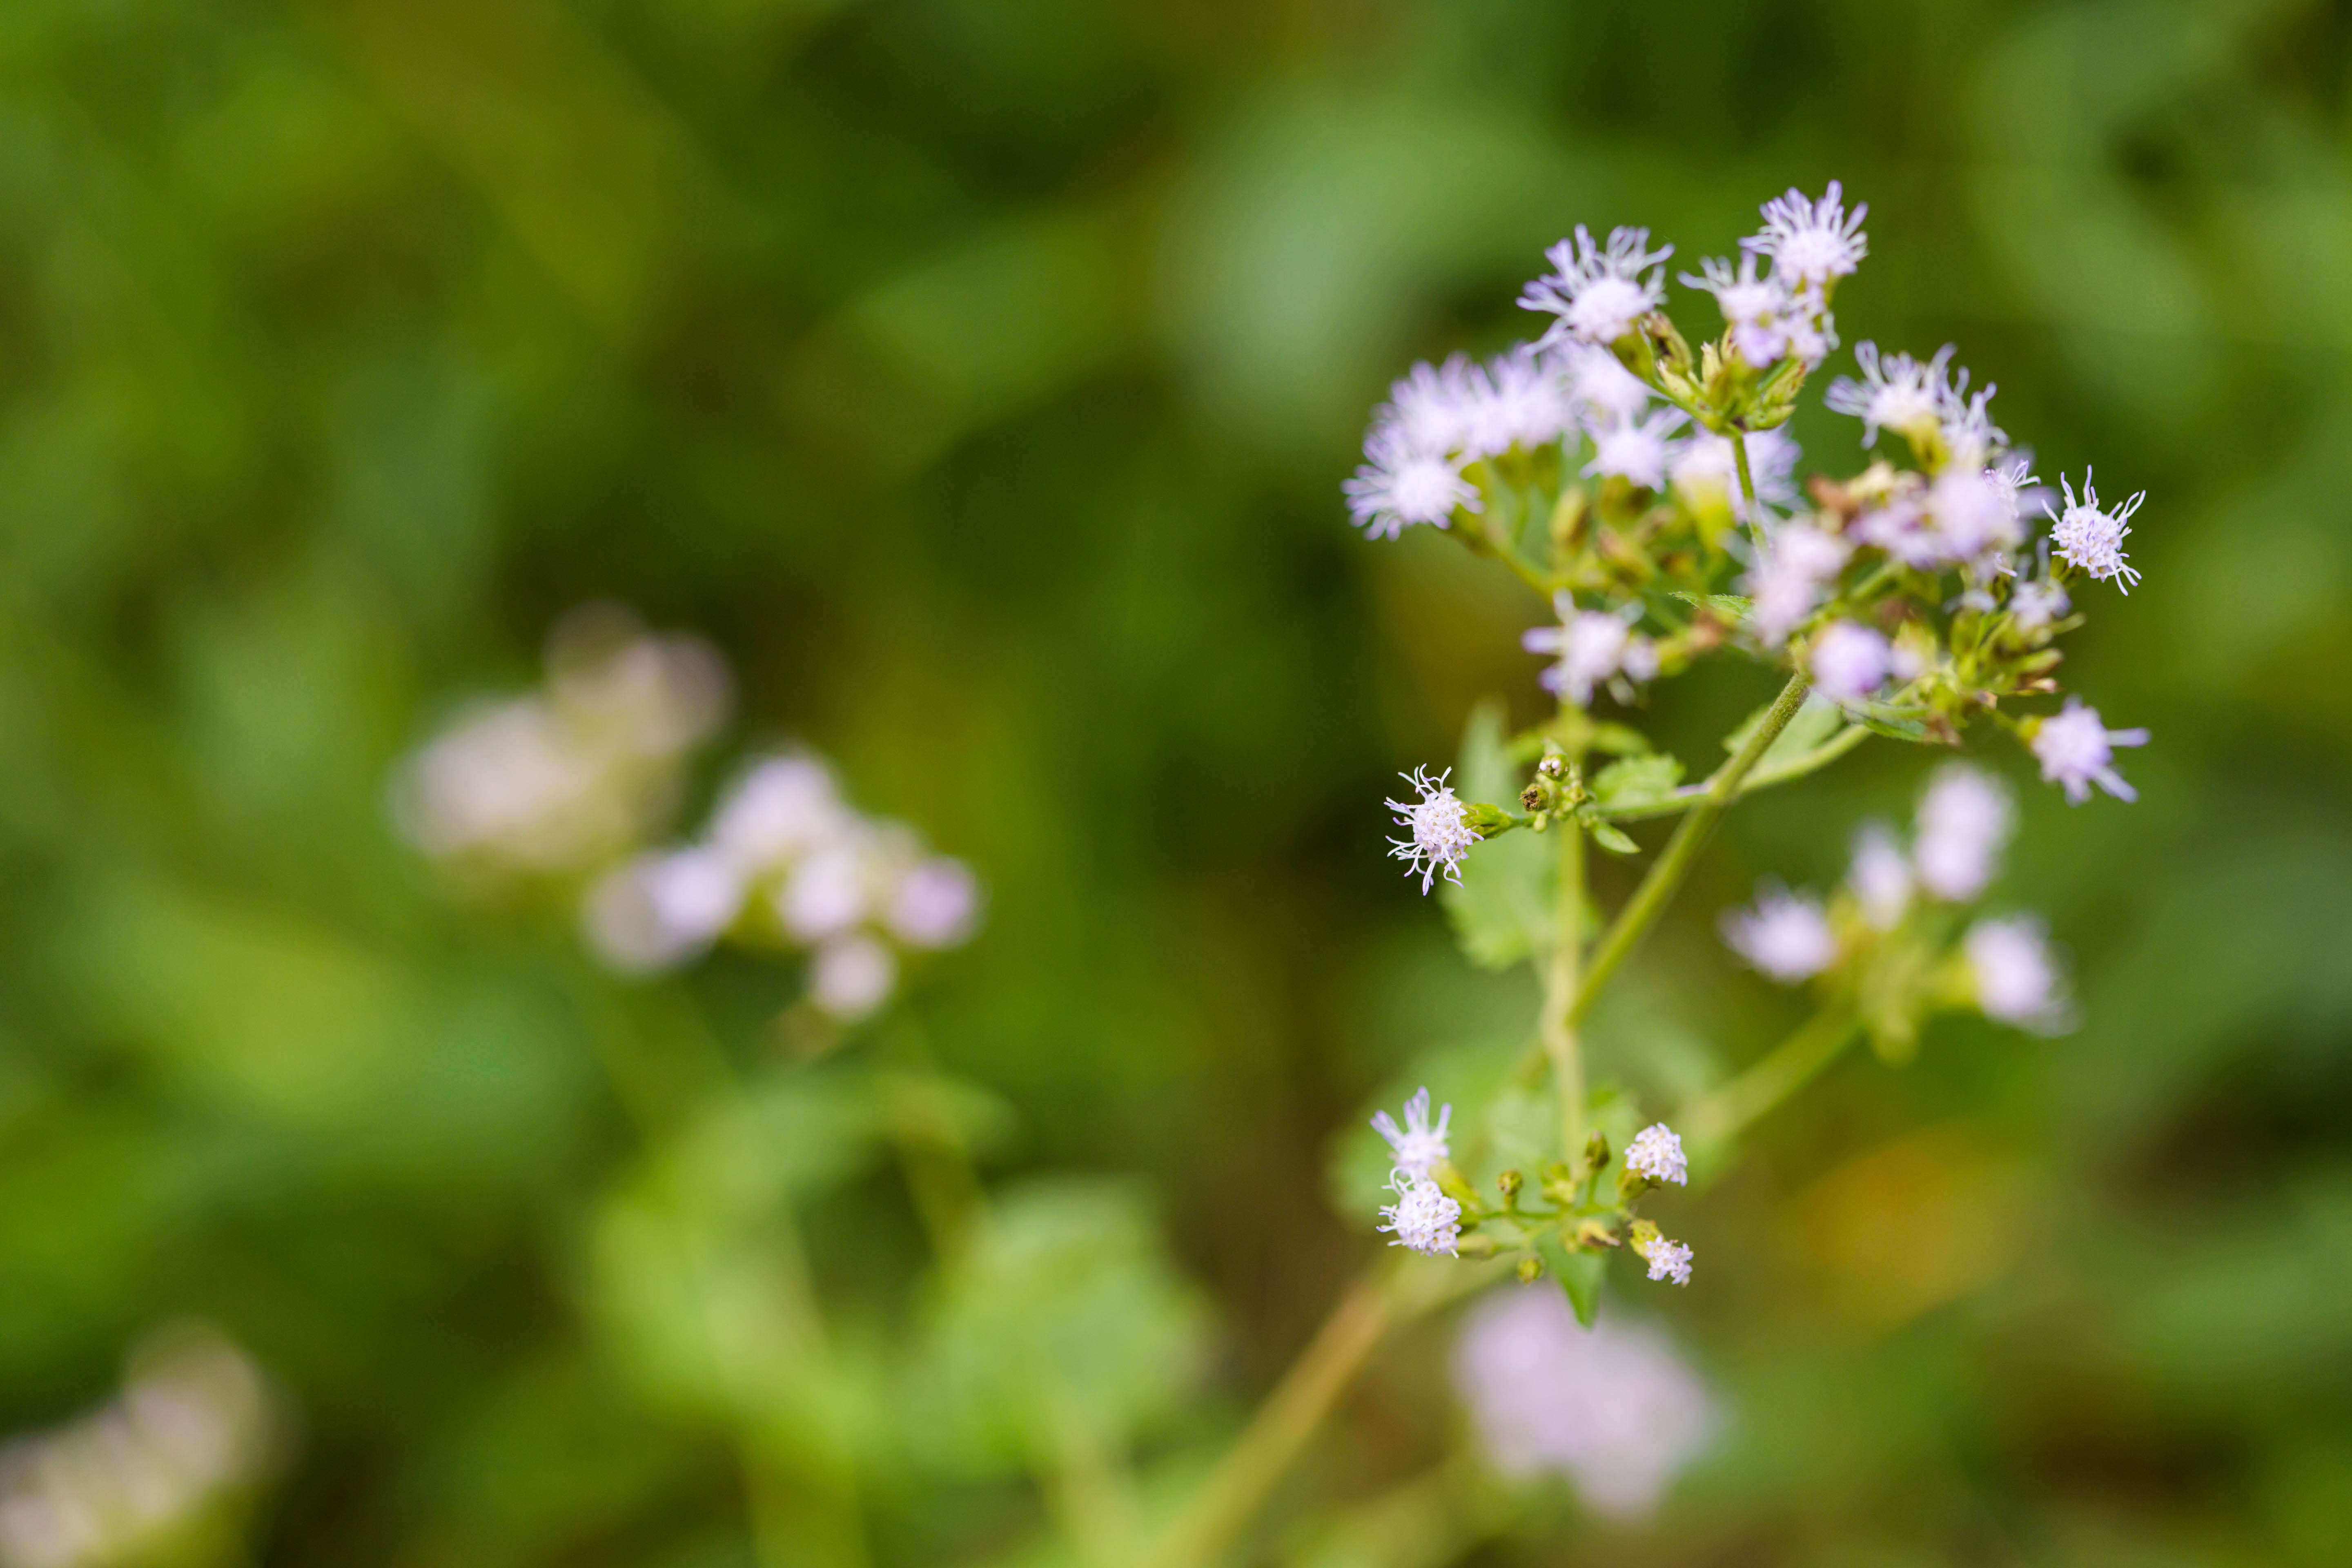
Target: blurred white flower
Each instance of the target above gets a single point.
(1417, 1146)
(1635, 451)
(1588, 646)
(780, 809)
(660, 910)
(2076, 750)
(194, 1421)
(1965, 820)
(1601, 388)
(1850, 662)
(827, 893)
(850, 978)
(1896, 393)
(1785, 935)
(1610, 1407)
(1706, 471)
(1809, 240)
(1794, 563)
(935, 905)
(1880, 876)
(2016, 978)
(1398, 487)
(1515, 400)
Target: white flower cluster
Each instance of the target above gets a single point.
(1439, 419)
(2076, 750)
(1785, 313)
(1611, 1407)
(785, 851)
(562, 778)
(1964, 822)
(1588, 647)
(195, 1423)
(1658, 1153)
(1422, 1218)
(1442, 834)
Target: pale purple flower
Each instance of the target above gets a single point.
(1599, 291)
(1588, 646)
(1398, 487)
(935, 905)
(1752, 307)
(2076, 750)
(1965, 820)
(2092, 538)
(1812, 241)
(849, 978)
(1515, 400)
(1793, 565)
(1422, 1218)
(1599, 385)
(1635, 451)
(1658, 1153)
(657, 911)
(1703, 467)
(1667, 1259)
(1850, 662)
(1430, 409)
(827, 893)
(1785, 936)
(1418, 1146)
(1880, 876)
(1442, 834)
(1610, 1407)
(2016, 978)
(778, 811)
(1896, 392)
(2035, 605)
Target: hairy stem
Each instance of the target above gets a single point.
(1556, 1025)
(1779, 1073)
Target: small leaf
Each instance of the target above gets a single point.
(1579, 1274)
(1888, 722)
(1501, 908)
(1637, 781)
(1619, 740)
(1731, 606)
(1612, 838)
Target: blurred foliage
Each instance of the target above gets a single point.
(978, 374)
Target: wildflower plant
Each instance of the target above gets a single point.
(1645, 489)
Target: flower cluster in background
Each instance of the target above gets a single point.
(1611, 1407)
(141, 1478)
(1890, 935)
(574, 780)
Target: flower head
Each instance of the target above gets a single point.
(1704, 468)
(1896, 392)
(1785, 936)
(1658, 1153)
(851, 977)
(2034, 605)
(1880, 876)
(660, 910)
(1812, 241)
(1515, 400)
(1635, 451)
(1423, 1217)
(1430, 409)
(1398, 487)
(1850, 662)
(1796, 562)
(1442, 834)
(1612, 1407)
(1590, 646)
(2076, 750)
(781, 809)
(1418, 1146)
(1751, 306)
(2090, 538)
(1601, 386)
(2016, 978)
(936, 904)
(1667, 1259)
(1964, 821)
(1599, 291)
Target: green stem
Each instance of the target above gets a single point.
(1666, 873)
(1779, 1073)
(1683, 799)
(1738, 440)
(1557, 1026)
(1384, 1298)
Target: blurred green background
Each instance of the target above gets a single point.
(979, 374)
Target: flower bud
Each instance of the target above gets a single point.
(1596, 1152)
(1475, 1246)
(1530, 1270)
(1510, 1182)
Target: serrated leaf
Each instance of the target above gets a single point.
(1637, 781)
(1501, 908)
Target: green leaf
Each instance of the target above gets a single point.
(1612, 838)
(1501, 908)
(1579, 1274)
(1619, 740)
(1891, 723)
(1813, 723)
(1732, 606)
(1637, 781)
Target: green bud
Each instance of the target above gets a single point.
(1475, 1247)
(1510, 1182)
(1596, 1152)
(1530, 1270)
